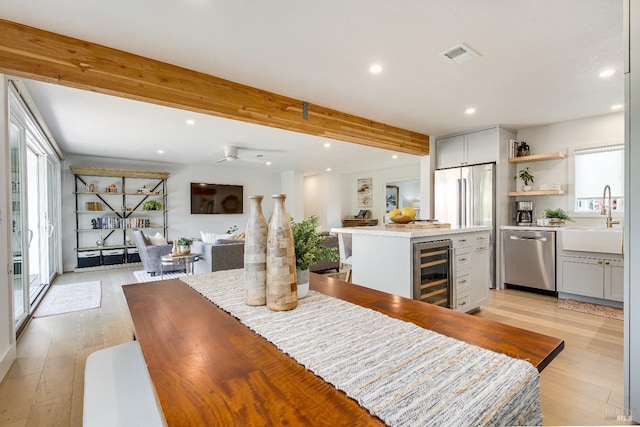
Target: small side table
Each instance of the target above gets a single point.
(186, 259)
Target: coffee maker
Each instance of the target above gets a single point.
(524, 213)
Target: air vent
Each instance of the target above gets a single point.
(459, 54)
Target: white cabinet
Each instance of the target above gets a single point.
(471, 270)
(467, 149)
(592, 277)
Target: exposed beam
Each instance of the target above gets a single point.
(41, 55)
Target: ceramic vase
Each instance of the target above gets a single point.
(303, 283)
(255, 255)
(282, 289)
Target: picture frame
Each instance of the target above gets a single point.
(392, 195)
(365, 199)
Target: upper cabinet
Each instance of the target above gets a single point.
(467, 149)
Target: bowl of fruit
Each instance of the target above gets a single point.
(402, 216)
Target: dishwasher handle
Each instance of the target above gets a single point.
(536, 238)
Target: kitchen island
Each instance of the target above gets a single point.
(382, 259)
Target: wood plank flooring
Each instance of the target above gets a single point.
(44, 387)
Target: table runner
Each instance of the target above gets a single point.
(404, 374)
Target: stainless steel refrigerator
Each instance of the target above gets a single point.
(466, 196)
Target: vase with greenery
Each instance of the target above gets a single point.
(309, 250)
(526, 178)
(152, 205)
(185, 245)
(557, 216)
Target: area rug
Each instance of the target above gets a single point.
(143, 276)
(68, 298)
(597, 309)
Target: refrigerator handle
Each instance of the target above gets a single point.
(465, 198)
(460, 203)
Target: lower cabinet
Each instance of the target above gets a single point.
(592, 277)
(471, 270)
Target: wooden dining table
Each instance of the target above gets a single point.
(209, 369)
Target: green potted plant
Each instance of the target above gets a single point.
(526, 178)
(557, 216)
(309, 250)
(152, 205)
(184, 243)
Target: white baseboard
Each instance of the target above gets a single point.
(7, 360)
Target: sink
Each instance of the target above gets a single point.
(602, 240)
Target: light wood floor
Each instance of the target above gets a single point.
(44, 387)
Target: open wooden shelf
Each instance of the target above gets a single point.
(537, 157)
(536, 193)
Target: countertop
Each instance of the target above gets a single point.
(380, 230)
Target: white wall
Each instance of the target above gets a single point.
(7, 335)
(180, 220)
(566, 137)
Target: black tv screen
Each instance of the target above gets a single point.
(216, 198)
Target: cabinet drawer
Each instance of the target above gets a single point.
(471, 239)
(462, 259)
(463, 284)
(463, 302)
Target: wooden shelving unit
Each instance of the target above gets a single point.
(537, 158)
(537, 193)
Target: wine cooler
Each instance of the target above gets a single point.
(433, 273)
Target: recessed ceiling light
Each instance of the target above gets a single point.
(395, 156)
(375, 69)
(327, 145)
(607, 73)
(470, 111)
(268, 163)
(190, 122)
(328, 169)
(160, 151)
(617, 106)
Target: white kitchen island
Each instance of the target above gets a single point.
(382, 259)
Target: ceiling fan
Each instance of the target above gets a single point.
(231, 154)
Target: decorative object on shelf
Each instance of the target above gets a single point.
(100, 242)
(282, 292)
(365, 199)
(111, 189)
(526, 178)
(174, 249)
(92, 188)
(309, 250)
(557, 216)
(93, 206)
(234, 228)
(402, 216)
(185, 245)
(152, 205)
(255, 254)
(523, 149)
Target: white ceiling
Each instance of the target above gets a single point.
(539, 64)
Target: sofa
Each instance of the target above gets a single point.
(224, 254)
(150, 254)
(332, 242)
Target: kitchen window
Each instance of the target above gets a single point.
(594, 168)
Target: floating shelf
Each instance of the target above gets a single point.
(537, 157)
(536, 193)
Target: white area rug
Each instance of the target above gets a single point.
(67, 298)
(143, 276)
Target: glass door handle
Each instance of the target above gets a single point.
(30, 238)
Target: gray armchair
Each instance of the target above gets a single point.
(150, 255)
(330, 242)
(224, 254)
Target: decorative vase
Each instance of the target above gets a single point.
(303, 283)
(282, 291)
(526, 188)
(185, 250)
(100, 242)
(174, 248)
(255, 255)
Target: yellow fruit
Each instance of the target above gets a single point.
(409, 211)
(394, 212)
(401, 219)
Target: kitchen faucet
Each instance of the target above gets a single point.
(610, 222)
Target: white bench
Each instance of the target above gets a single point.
(118, 390)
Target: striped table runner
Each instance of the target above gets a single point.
(398, 371)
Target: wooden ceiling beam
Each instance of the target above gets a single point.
(41, 55)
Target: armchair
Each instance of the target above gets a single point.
(150, 255)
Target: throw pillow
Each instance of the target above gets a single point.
(157, 239)
(209, 237)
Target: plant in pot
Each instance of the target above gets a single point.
(152, 205)
(557, 216)
(309, 250)
(526, 178)
(184, 243)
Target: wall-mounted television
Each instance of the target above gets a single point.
(216, 198)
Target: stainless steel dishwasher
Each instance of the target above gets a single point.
(530, 259)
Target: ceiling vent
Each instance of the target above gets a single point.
(459, 54)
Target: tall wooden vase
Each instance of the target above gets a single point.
(255, 255)
(282, 289)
